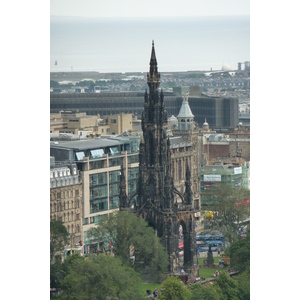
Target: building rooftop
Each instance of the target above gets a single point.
(185, 110)
(85, 144)
(178, 141)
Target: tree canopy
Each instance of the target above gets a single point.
(100, 277)
(224, 200)
(173, 288)
(240, 254)
(227, 287)
(223, 288)
(126, 231)
(59, 270)
(59, 237)
(198, 291)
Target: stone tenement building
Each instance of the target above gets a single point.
(66, 200)
(155, 191)
(92, 125)
(185, 152)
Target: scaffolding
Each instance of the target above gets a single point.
(236, 177)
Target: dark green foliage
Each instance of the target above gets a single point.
(59, 270)
(227, 287)
(126, 230)
(223, 198)
(240, 254)
(59, 237)
(101, 277)
(243, 285)
(54, 84)
(57, 274)
(199, 292)
(85, 83)
(173, 288)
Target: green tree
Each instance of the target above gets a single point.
(59, 237)
(173, 288)
(54, 84)
(85, 83)
(127, 231)
(101, 277)
(227, 287)
(243, 285)
(223, 199)
(240, 254)
(198, 292)
(59, 270)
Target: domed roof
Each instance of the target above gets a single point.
(226, 68)
(205, 125)
(172, 118)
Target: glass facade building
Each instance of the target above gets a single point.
(99, 162)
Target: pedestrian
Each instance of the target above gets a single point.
(219, 252)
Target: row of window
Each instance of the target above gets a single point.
(64, 195)
(71, 228)
(100, 164)
(57, 182)
(62, 206)
(99, 189)
(69, 217)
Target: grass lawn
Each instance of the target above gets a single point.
(208, 272)
(149, 286)
(200, 260)
(143, 287)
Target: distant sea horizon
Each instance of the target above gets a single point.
(109, 45)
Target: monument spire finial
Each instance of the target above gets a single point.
(153, 75)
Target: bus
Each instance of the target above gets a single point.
(217, 241)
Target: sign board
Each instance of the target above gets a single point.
(237, 170)
(212, 178)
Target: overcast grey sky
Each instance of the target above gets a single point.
(146, 8)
